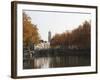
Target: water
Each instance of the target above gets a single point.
(61, 61)
(54, 58)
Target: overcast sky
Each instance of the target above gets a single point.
(56, 22)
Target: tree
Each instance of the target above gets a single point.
(30, 31)
(55, 40)
(79, 37)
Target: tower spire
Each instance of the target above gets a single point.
(49, 36)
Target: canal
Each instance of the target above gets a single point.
(54, 58)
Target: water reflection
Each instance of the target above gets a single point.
(42, 62)
(53, 58)
(61, 61)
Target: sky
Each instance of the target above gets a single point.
(56, 22)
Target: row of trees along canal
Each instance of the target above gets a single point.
(79, 37)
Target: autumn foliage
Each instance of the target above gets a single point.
(79, 37)
(30, 31)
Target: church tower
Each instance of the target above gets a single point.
(49, 36)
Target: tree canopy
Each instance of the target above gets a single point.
(30, 31)
(79, 37)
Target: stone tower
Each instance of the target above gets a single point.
(49, 36)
